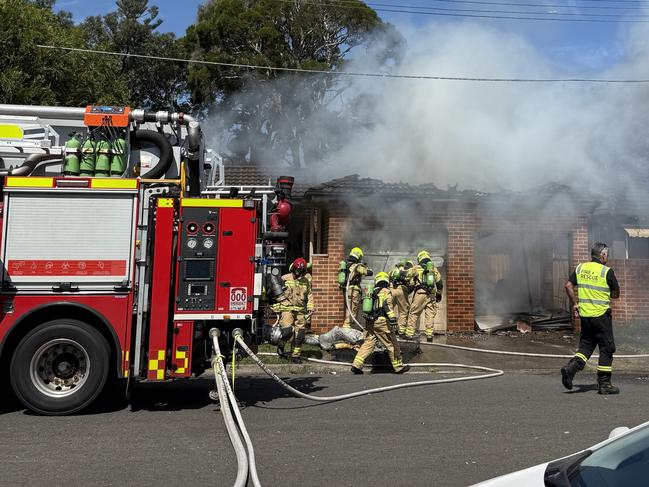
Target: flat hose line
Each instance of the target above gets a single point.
(245, 461)
(272, 375)
(518, 354)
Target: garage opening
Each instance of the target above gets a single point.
(519, 279)
(385, 247)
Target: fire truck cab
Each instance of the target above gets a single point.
(120, 248)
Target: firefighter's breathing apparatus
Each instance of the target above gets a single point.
(246, 460)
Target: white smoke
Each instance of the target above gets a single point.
(473, 135)
(494, 136)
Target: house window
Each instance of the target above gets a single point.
(637, 243)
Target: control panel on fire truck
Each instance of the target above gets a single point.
(198, 249)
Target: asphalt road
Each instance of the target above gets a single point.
(442, 435)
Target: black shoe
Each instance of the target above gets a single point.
(566, 377)
(281, 353)
(568, 372)
(403, 370)
(608, 388)
(296, 360)
(429, 339)
(356, 371)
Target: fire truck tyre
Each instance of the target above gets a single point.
(60, 367)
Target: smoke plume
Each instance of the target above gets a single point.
(477, 135)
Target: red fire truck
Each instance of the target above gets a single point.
(121, 247)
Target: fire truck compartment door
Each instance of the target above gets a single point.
(84, 239)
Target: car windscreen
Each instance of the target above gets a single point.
(621, 463)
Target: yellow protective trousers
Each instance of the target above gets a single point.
(422, 302)
(354, 297)
(401, 304)
(295, 320)
(380, 331)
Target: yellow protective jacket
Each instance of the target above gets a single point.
(298, 295)
(384, 311)
(356, 273)
(417, 280)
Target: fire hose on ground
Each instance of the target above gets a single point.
(521, 354)
(238, 336)
(246, 460)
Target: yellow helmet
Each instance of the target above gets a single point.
(409, 264)
(422, 255)
(381, 278)
(356, 252)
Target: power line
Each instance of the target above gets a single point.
(509, 4)
(490, 14)
(508, 12)
(346, 73)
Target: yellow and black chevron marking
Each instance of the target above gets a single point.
(157, 365)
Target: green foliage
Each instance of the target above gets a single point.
(272, 115)
(31, 75)
(131, 29)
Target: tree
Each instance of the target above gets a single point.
(270, 111)
(132, 29)
(31, 75)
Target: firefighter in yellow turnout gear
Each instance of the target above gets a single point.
(295, 306)
(427, 284)
(401, 293)
(379, 326)
(356, 269)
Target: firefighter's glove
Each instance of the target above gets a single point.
(370, 272)
(438, 297)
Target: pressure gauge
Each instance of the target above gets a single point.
(191, 243)
(208, 243)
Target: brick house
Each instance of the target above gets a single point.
(499, 253)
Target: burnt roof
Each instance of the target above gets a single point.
(368, 187)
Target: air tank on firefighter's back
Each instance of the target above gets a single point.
(368, 299)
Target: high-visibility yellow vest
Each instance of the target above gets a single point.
(592, 289)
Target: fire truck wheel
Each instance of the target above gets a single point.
(60, 367)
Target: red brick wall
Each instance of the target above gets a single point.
(633, 276)
(327, 295)
(461, 224)
(580, 253)
(580, 244)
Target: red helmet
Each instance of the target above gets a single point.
(299, 265)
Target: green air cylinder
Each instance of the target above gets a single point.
(87, 167)
(102, 163)
(118, 162)
(430, 275)
(71, 164)
(342, 274)
(368, 304)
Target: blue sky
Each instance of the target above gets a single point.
(575, 47)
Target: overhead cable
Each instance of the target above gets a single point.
(486, 14)
(348, 73)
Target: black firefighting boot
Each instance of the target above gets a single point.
(568, 372)
(604, 384)
(403, 369)
(296, 360)
(356, 370)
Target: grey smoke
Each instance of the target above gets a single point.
(486, 136)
